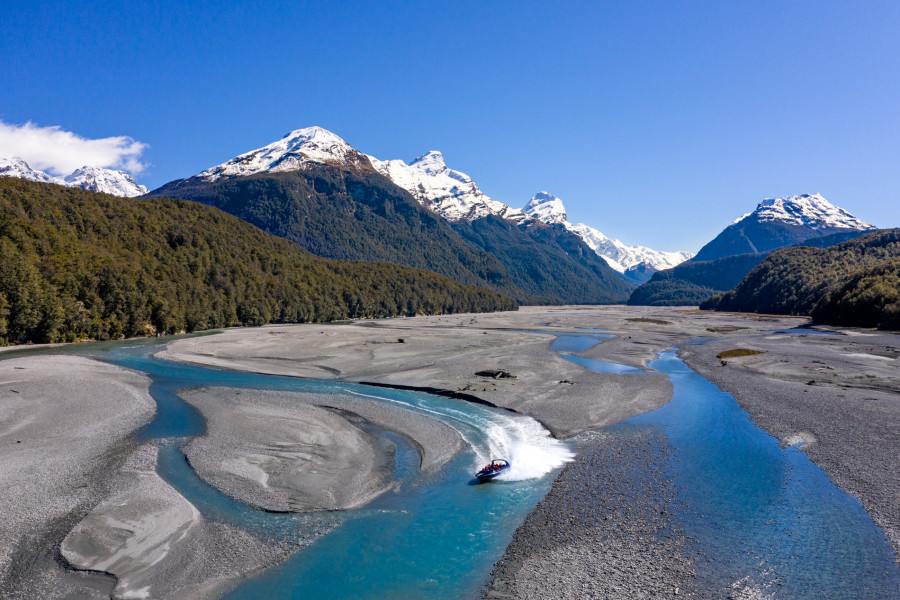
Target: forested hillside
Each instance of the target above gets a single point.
(83, 265)
(338, 213)
(547, 260)
(693, 281)
(852, 283)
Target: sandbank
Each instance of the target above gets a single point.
(64, 428)
(301, 452)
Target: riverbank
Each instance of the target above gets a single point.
(65, 424)
(604, 530)
(586, 528)
(837, 396)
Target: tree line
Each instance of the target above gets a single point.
(76, 264)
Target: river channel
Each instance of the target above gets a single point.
(759, 513)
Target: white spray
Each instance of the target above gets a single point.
(530, 449)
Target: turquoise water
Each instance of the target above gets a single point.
(761, 515)
(569, 344)
(764, 515)
(437, 535)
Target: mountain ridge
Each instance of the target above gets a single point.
(856, 282)
(780, 222)
(375, 196)
(636, 263)
(98, 179)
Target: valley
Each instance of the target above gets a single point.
(362, 376)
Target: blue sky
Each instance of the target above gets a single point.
(656, 122)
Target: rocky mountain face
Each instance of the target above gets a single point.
(636, 263)
(298, 149)
(14, 166)
(108, 181)
(315, 189)
(780, 222)
(97, 179)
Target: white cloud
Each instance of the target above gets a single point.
(61, 152)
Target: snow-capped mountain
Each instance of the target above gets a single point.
(451, 194)
(642, 261)
(779, 222)
(809, 210)
(16, 167)
(108, 181)
(291, 153)
(547, 208)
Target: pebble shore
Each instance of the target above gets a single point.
(605, 530)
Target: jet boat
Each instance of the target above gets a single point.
(497, 466)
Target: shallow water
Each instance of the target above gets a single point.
(764, 517)
(437, 535)
(569, 344)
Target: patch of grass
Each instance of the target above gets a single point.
(736, 352)
(646, 320)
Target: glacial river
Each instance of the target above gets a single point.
(764, 518)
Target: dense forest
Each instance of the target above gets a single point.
(694, 281)
(355, 215)
(852, 283)
(547, 260)
(82, 265)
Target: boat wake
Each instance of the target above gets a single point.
(530, 449)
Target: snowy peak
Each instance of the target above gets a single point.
(807, 210)
(637, 260)
(451, 194)
(779, 222)
(16, 167)
(546, 207)
(108, 181)
(430, 163)
(294, 152)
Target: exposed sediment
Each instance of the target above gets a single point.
(156, 543)
(605, 529)
(445, 353)
(64, 428)
(300, 452)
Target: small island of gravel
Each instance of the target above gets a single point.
(301, 452)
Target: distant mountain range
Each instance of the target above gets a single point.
(721, 264)
(635, 263)
(108, 181)
(315, 189)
